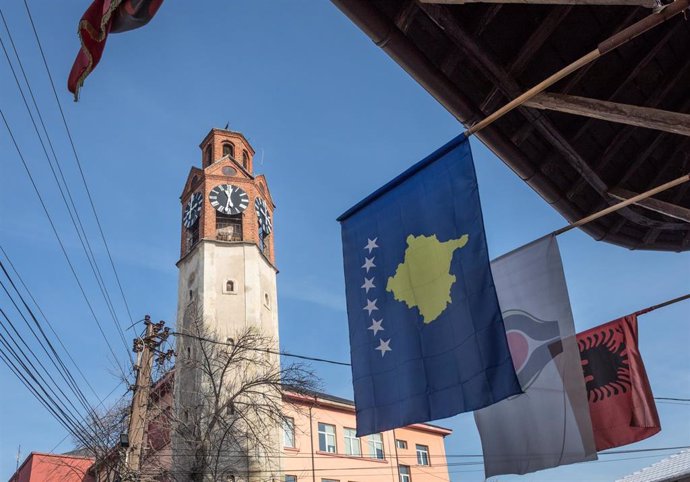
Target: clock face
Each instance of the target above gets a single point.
(192, 210)
(265, 223)
(228, 199)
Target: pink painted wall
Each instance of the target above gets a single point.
(47, 467)
(298, 461)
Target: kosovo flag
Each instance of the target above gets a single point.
(427, 338)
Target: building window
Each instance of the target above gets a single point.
(267, 300)
(401, 444)
(230, 287)
(422, 455)
(228, 227)
(404, 471)
(230, 342)
(376, 446)
(230, 409)
(289, 433)
(245, 159)
(290, 478)
(229, 150)
(192, 236)
(352, 443)
(327, 438)
(208, 155)
(329, 480)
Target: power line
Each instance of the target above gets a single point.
(78, 161)
(60, 242)
(45, 318)
(67, 199)
(264, 350)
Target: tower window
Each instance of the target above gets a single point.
(245, 159)
(230, 287)
(228, 227)
(208, 155)
(192, 237)
(267, 300)
(229, 150)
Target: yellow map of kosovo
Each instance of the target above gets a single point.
(423, 279)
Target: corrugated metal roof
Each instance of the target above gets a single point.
(669, 469)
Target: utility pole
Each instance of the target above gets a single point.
(146, 346)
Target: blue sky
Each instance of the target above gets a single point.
(333, 118)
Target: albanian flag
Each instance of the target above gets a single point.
(621, 403)
(101, 18)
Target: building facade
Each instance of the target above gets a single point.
(320, 445)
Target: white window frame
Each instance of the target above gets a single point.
(407, 477)
(376, 444)
(352, 442)
(423, 457)
(289, 433)
(401, 444)
(327, 436)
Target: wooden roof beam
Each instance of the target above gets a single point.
(661, 207)
(529, 48)
(662, 120)
(489, 67)
(627, 3)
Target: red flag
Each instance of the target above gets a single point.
(621, 403)
(101, 18)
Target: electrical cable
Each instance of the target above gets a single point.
(60, 242)
(78, 161)
(67, 199)
(45, 319)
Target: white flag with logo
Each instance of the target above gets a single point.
(548, 425)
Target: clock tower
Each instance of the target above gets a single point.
(227, 273)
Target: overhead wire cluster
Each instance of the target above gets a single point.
(30, 345)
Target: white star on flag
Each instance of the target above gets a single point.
(383, 346)
(368, 284)
(371, 244)
(376, 326)
(371, 306)
(368, 263)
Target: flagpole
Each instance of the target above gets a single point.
(662, 305)
(622, 204)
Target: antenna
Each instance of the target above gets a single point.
(19, 454)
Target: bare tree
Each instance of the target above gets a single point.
(99, 438)
(228, 412)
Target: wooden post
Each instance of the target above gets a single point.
(140, 400)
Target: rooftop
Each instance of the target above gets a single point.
(667, 470)
(475, 57)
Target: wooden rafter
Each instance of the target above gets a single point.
(656, 205)
(662, 120)
(530, 47)
(520, 136)
(493, 71)
(633, 3)
(406, 15)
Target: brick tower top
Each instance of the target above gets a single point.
(224, 201)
